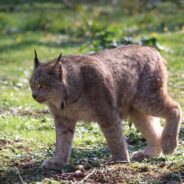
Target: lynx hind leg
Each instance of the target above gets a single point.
(165, 107)
(170, 133)
(150, 127)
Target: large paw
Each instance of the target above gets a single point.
(52, 164)
(139, 156)
(120, 157)
(148, 152)
(168, 144)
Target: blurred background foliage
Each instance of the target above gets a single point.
(100, 24)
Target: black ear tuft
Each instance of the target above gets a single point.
(59, 68)
(58, 60)
(36, 61)
(59, 57)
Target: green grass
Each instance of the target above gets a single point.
(27, 134)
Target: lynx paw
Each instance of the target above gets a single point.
(148, 152)
(139, 156)
(169, 144)
(52, 164)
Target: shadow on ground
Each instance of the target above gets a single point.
(81, 159)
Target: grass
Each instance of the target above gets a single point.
(26, 129)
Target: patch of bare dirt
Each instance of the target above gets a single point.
(112, 174)
(104, 174)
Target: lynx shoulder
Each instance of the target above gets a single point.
(107, 87)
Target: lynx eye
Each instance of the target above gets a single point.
(40, 86)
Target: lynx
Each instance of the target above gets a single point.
(107, 87)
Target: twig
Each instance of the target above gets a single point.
(90, 165)
(180, 177)
(20, 177)
(87, 176)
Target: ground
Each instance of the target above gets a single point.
(27, 134)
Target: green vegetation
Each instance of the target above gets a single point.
(26, 129)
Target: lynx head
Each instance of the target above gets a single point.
(47, 82)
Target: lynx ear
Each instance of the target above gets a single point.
(58, 68)
(36, 61)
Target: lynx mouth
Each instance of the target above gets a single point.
(41, 100)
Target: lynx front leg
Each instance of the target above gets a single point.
(115, 140)
(64, 136)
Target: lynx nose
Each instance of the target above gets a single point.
(34, 96)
